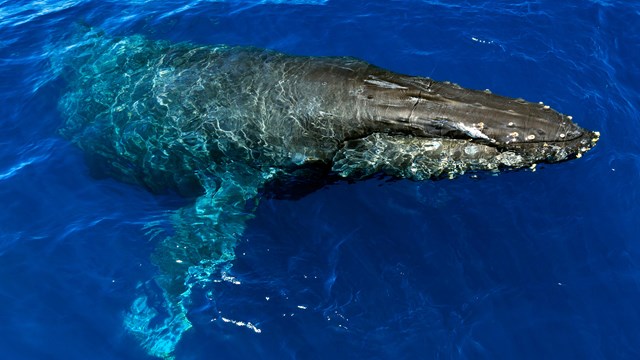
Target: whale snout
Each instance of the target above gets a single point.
(462, 129)
(536, 132)
(545, 137)
(571, 145)
(430, 109)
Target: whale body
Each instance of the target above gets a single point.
(221, 124)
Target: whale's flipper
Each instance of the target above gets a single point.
(201, 248)
(419, 159)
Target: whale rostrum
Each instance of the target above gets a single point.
(221, 123)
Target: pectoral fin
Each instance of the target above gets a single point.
(201, 248)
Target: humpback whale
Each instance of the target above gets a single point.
(223, 124)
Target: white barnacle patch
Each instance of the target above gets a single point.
(562, 136)
(432, 145)
(569, 117)
(471, 131)
(471, 149)
(511, 124)
(546, 107)
(509, 158)
(514, 134)
(531, 137)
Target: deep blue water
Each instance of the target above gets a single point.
(525, 265)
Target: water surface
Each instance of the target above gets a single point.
(526, 265)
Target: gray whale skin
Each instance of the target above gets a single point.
(223, 123)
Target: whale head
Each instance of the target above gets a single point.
(438, 129)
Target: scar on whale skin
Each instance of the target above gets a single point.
(226, 124)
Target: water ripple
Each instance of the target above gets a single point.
(16, 13)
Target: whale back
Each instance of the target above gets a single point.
(161, 114)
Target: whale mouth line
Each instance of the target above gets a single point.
(503, 135)
(467, 134)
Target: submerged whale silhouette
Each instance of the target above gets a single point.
(225, 123)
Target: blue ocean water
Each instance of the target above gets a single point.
(526, 265)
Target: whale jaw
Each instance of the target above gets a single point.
(420, 158)
(430, 129)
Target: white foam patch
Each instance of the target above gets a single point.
(230, 279)
(242, 323)
(478, 40)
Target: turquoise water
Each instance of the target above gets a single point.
(531, 265)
